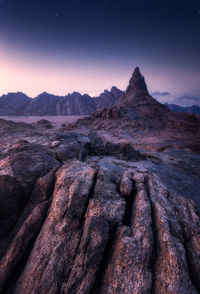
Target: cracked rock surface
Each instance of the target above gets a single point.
(102, 225)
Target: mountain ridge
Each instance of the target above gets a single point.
(194, 109)
(49, 104)
(44, 104)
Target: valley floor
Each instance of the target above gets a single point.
(61, 119)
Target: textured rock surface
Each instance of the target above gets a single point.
(86, 212)
(109, 227)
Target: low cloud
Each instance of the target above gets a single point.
(189, 98)
(186, 100)
(162, 94)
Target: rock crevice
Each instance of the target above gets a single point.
(99, 227)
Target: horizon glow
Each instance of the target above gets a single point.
(61, 50)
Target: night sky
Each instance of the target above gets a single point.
(87, 46)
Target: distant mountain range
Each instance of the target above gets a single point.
(48, 104)
(17, 104)
(195, 109)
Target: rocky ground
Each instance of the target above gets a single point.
(100, 206)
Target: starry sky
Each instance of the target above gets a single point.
(61, 46)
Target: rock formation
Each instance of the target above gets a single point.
(136, 103)
(102, 225)
(106, 208)
(142, 119)
(137, 87)
(45, 104)
(14, 104)
(107, 99)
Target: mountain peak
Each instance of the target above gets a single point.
(137, 85)
(137, 71)
(137, 88)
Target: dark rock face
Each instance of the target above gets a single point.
(9, 127)
(113, 112)
(14, 104)
(75, 145)
(43, 104)
(124, 151)
(11, 200)
(28, 162)
(19, 170)
(71, 146)
(76, 103)
(107, 99)
(137, 86)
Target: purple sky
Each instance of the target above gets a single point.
(81, 46)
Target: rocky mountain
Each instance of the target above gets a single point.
(137, 110)
(45, 104)
(48, 104)
(107, 99)
(14, 104)
(195, 109)
(109, 204)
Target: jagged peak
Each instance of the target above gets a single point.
(75, 93)
(137, 88)
(115, 89)
(136, 75)
(44, 93)
(15, 95)
(137, 72)
(137, 84)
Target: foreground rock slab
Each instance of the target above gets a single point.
(105, 226)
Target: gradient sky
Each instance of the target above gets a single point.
(63, 46)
